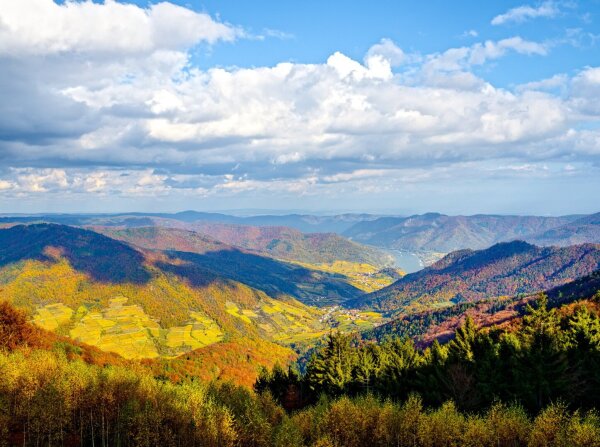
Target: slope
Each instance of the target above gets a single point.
(277, 242)
(441, 233)
(142, 304)
(505, 269)
(586, 229)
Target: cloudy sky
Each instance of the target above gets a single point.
(379, 106)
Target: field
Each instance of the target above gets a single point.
(362, 276)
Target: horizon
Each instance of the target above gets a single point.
(463, 108)
(282, 212)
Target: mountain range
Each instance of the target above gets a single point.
(441, 233)
(276, 242)
(158, 293)
(208, 294)
(505, 269)
(428, 234)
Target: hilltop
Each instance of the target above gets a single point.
(505, 269)
(586, 229)
(441, 233)
(278, 242)
(221, 302)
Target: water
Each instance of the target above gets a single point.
(407, 261)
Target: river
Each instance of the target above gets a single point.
(406, 260)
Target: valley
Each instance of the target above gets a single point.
(222, 302)
(299, 224)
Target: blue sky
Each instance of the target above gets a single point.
(388, 106)
(313, 30)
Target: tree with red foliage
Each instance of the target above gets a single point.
(15, 330)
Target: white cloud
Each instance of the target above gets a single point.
(556, 81)
(387, 50)
(585, 94)
(519, 14)
(150, 124)
(481, 52)
(42, 27)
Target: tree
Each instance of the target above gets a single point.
(330, 369)
(15, 330)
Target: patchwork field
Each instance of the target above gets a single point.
(362, 276)
(200, 332)
(128, 330)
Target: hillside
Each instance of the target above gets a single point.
(277, 242)
(303, 222)
(149, 304)
(505, 269)
(441, 233)
(441, 324)
(586, 229)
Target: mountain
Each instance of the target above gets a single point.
(505, 269)
(440, 324)
(328, 255)
(441, 233)
(303, 222)
(102, 258)
(164, 238)
(585, 229)
(144, 303)
(291, 244)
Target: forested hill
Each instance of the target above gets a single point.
(440, 324)
(102, 258)
(585, 229)
(303, 222)
(229, 306)
(441, 233)
(278, 242)
(505, 269)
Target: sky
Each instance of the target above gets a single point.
(402, 107)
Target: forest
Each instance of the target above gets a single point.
(535, 384)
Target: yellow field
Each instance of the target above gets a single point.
(200, 332)
(362, 276)
(51, 316)
(126, 330)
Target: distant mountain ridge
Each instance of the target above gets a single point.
(441, 233)
(291, 244)
(585, 229)
(303, 222)
(426, 233)
(505, 269)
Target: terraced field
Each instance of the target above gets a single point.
(200, 332)
(53, 316)
(128, 330)
(365, 277)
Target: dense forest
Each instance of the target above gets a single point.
(536, 384)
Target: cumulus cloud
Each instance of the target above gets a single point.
(523, 13)
(479, 53)
(387, 50)
(42, 27)
(149, 123)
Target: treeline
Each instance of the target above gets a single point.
(416, 325)
(48, 400)
(51, 396)
(551, 357)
